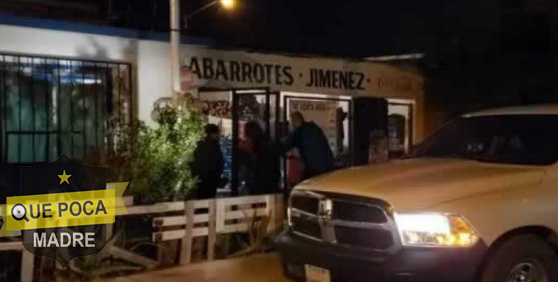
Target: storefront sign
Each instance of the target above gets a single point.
(229, 69)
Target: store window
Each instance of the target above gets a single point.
(56, 106)
(400, 128)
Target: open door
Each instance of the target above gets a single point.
(255, 154)
(333, 116)
(370, 127)
(400, 128)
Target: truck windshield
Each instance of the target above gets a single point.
(510, 139)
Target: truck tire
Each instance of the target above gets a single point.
(525, 258)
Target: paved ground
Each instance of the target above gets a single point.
(255, 268)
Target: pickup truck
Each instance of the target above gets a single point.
(476, 201)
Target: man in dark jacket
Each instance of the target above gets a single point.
(208, 163)
(312, 144)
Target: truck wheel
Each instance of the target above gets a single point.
(525, 258)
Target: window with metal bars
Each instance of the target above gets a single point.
(53, 106)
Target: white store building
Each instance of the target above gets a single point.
(62, 82)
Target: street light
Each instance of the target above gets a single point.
(226, 4)
(175, 35)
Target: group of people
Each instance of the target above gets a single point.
(258, 158)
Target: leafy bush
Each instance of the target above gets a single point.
(155, 160)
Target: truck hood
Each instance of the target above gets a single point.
(420, 184)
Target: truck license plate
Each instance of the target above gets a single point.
(316, 274)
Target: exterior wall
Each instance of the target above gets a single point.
(25, 40)
(151, 67)
(154, 76)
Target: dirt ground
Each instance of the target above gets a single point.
(255, 268)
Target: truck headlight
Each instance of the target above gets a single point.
(435, 230)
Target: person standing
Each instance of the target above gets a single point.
(312, 145)
(208, 163)
(259, 161)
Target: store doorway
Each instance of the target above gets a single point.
(233, 110)
(351, 126)
(400, 127)
(333, 116)
(255, 142)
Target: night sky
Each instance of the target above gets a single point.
(462, 30)
(347, 28)
(459, 32)
(478, 53)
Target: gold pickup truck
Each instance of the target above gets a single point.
(476, 201)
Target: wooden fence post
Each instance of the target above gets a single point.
(279, 210)
(220, 218)
(211, 230)
(158, 225)
(186, 250)
(271, 212)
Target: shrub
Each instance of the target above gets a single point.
(155, 160)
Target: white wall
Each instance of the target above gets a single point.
(38, 41)
(150, 59)
(154, 78)
(151, 77)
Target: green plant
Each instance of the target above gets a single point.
(155, 160)
(94, 267)
(258, 238)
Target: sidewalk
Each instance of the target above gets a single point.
(255, 268)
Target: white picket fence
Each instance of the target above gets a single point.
(208, 218)
(192, 219)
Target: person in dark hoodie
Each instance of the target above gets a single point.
(312, 145)
(259, 161)
(208, 163)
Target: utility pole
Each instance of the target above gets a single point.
(175, 46)
(175, 37)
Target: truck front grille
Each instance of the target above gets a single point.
(307, 227)
(364, 238)
(343, 220)
(356, 211)
(306, 204)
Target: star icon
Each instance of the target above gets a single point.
(64, 177)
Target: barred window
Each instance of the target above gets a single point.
(53, 106)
